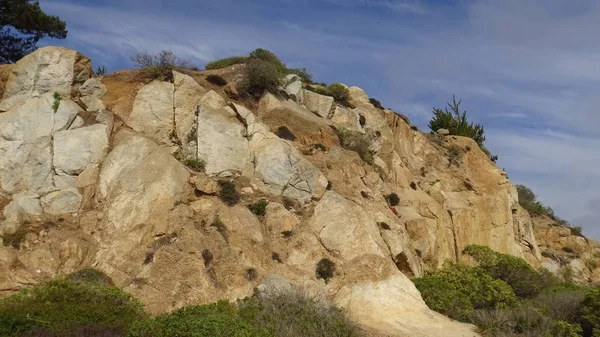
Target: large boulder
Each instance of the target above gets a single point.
(152, 112)
(356, 96)
(281, 170)
(140, 181)
(293, 87)
(91, 93)
(47, 70)
(75, 150)
(26, 165)
(186, 97)
(317, 103)
(61, 201)
(221, 137)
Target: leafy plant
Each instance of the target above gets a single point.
(456, 122)
(260, 76)
(225, 62)
(358, 142)
(56, 103)
(259, 208)
(304, 75)
(195, 164)
(325, 269)
(269, 57)
(339, 92)
(100, 71)
(376, 103)
(590, 313)
(228, 193)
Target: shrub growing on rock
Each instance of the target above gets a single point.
(325, 269)
(260, 76)
(228, 193)
(161, 65)
(269, 57)
(339, 92)
(304, 75)
(62, 307)
(216, 79)
(376, 103)
(195, 164)
(358, 142)
(259, 208)
(393, 199)
(456, 122)
(225, 62)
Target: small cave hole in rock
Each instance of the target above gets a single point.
(402, 264)
(413, 186)
(284, 133)
(362, 120)
(276, 257)
(207, 256)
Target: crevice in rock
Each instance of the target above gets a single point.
(403, 265)
(454, 235)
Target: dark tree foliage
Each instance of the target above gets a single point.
(456, 122)
(23, 25)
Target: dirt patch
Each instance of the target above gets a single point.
(122, 87)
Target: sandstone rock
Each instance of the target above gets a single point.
(241, 221)
(357, 95)
(92, 103)
(92, 88)
(140, 181)
(344, 228)
(47, 70)
(74, 150)
(186, 97)
(317, 103)
(285, 172)
(221, 137)
(278, 219)
(293, 87)
(345, 118)
(24, 206)
(206, 185)
(25, 165)
(443, 132)
(35, 118)
(61, 201)
(77, 123)
(152, 112)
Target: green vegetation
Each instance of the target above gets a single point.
(259, 208)
(62, 307)
(22, 25)
(195, 164)
(159, 66)
(86, 304)
(304, 75)
(458, 125)
(56, 103)
(325, 269)
(504, 296)
(228, 193)
(338, 91)
(357, 142)
(14, 239)
(226, 62)
(376, 103)
(216, 79)
(100, 71)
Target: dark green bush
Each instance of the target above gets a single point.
(212, 320)
(589, 313)
(304, 75)
(90, 275)
(376, 103)
(228, 193)
(456, 122)
(359, 143)
(259, 208)
(325, 269)
(457, 290)
(270, 57)
(225, 62)
(293, 314)
(260, 76)
(216, 79)
(339, 92)
(61, 307)
(523, 279)
(393, 199)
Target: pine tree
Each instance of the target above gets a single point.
(23, 24)
(456, 122)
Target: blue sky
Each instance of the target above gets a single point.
(528, 70)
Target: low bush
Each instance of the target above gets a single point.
(61, 308)
(260, 76)
(457, 290)
(159, 66)
(284, 132)
(259, 208)
(100, 71)
(14, 239)
(225, 62)
(359, 143)
(216, 79)
(269, 57)
(589, 314)
(195, 164)
(293, 314)
(218, 319)
(228, 193)
(393, 199)
(304, 75)
(376, 103)
(339, 92)
(325, 269)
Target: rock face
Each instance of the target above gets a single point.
(114, 193)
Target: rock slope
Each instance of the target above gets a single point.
(92, 174)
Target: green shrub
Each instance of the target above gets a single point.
(523, 279)
(228, 193)
(339, 92)
(359, 143)
(293, 314)
(225, 62)
(195, 164)
(589, 313)
(260, 76)
(393, 199)
(100, 71)
(457, 290)
(269, 57)
(159, 66)
(325, 269)
(259, 208)
(304, 75)
(90, 275)
(14, 239)
(60, 307)
(566, 329)
(56, 103)
(218, 319)
(456, 122)
(376, 103)
(216, 79)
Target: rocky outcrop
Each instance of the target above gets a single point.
(90, 189)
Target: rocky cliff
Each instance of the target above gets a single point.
(92, 173)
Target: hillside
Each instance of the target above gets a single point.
(150, 182)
